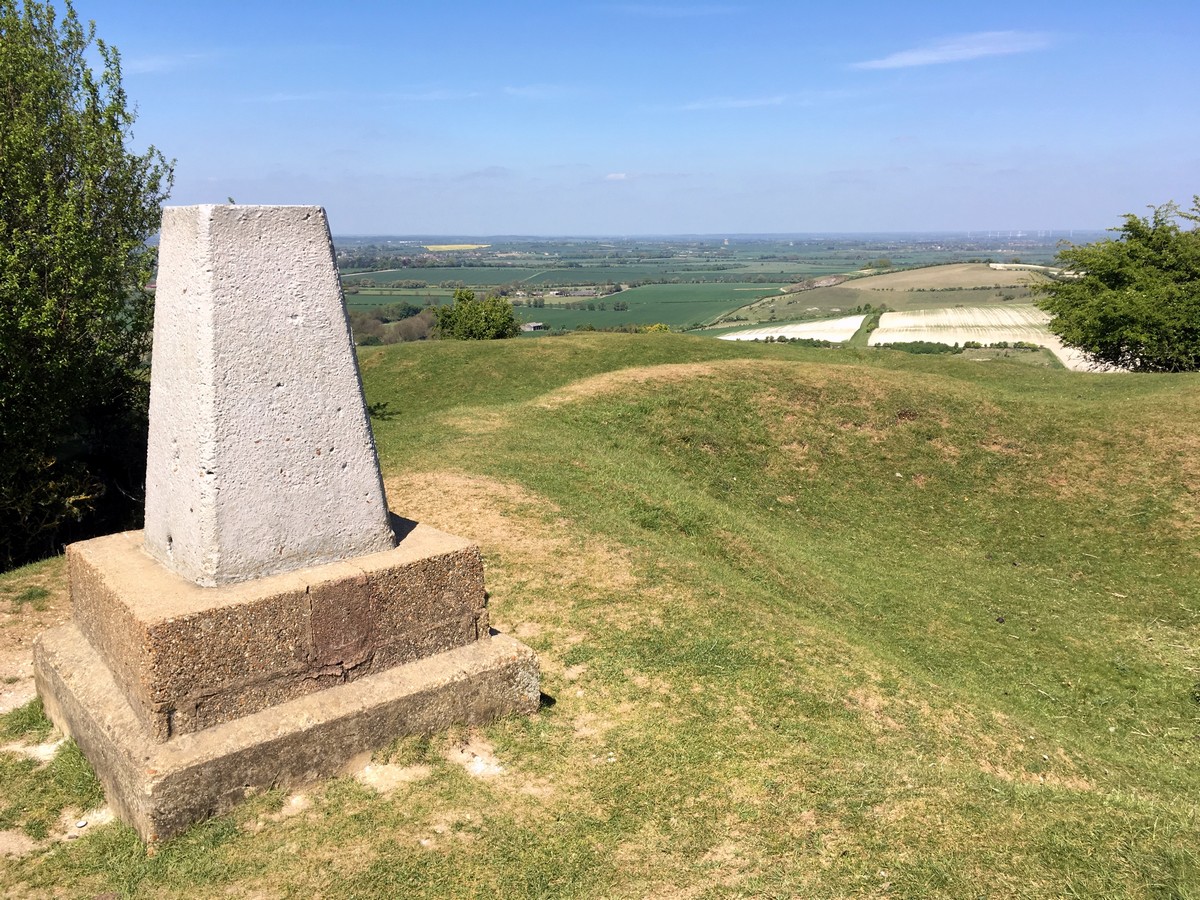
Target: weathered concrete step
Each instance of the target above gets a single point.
(161, 788)
(188, 657)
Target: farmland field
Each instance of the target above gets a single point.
(672, 270)
(371, 299)
(960, 276)
(677, 305)
(985, 325)
(835, 330)
(964, 284)
(436, 275)
(696, 282)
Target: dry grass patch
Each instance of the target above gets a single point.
(513, 526)
(621, 379)
(538, 563)
(1047, 779)
(473, 422)
(32, 599)
(383, 778)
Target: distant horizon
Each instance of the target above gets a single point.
(669, 118)
(969, 234)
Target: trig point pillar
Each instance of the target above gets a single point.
(273, 619)
(261, 458)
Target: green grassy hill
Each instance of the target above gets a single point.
(813, 623)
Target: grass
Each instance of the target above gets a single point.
(27, 723)
(34, 596)
(816, 623)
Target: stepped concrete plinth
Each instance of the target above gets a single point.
(273, 620)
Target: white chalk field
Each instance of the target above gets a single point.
(835, 331)
(984, 324)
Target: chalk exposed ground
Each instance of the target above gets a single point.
(984, 324)
(834, 330)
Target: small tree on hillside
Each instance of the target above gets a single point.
(469, 319)
(1133, 301)
(76, 210)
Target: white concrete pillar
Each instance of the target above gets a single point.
(261, 458)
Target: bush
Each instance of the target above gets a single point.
(469, 319)
(1134, 301)
(415, 328)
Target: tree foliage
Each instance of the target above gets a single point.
(1133, 301)
(76, 210)
(469, 319)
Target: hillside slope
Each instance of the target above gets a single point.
(946, 611)
(815, 623)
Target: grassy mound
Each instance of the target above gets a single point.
(812, 622)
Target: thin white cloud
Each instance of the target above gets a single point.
(147, 65)
(961, 49)
(616, 176)
(734, 102)
(293, 97)
(435, 96)
(664, 11)
(486, 174)
(430, 96)
(537, 91)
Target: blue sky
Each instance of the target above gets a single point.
(650, 118)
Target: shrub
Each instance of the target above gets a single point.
(469, 319)
(1134, 301)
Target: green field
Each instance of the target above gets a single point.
(599, 273)
(374, 298)
(469, 275)
(678, 305)
(688, 284)
(812, 623)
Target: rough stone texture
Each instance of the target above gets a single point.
(159, 789)
(261, 458)
(188, 657)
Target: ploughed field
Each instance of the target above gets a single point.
(929, 287)
(836, 331)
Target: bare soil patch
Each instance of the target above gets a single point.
(16, 843)
(835, 331)
(384, 778)
(43, 753)
(476, 756)
(22, 620)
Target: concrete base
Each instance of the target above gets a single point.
(161, 788)
(188, 657)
